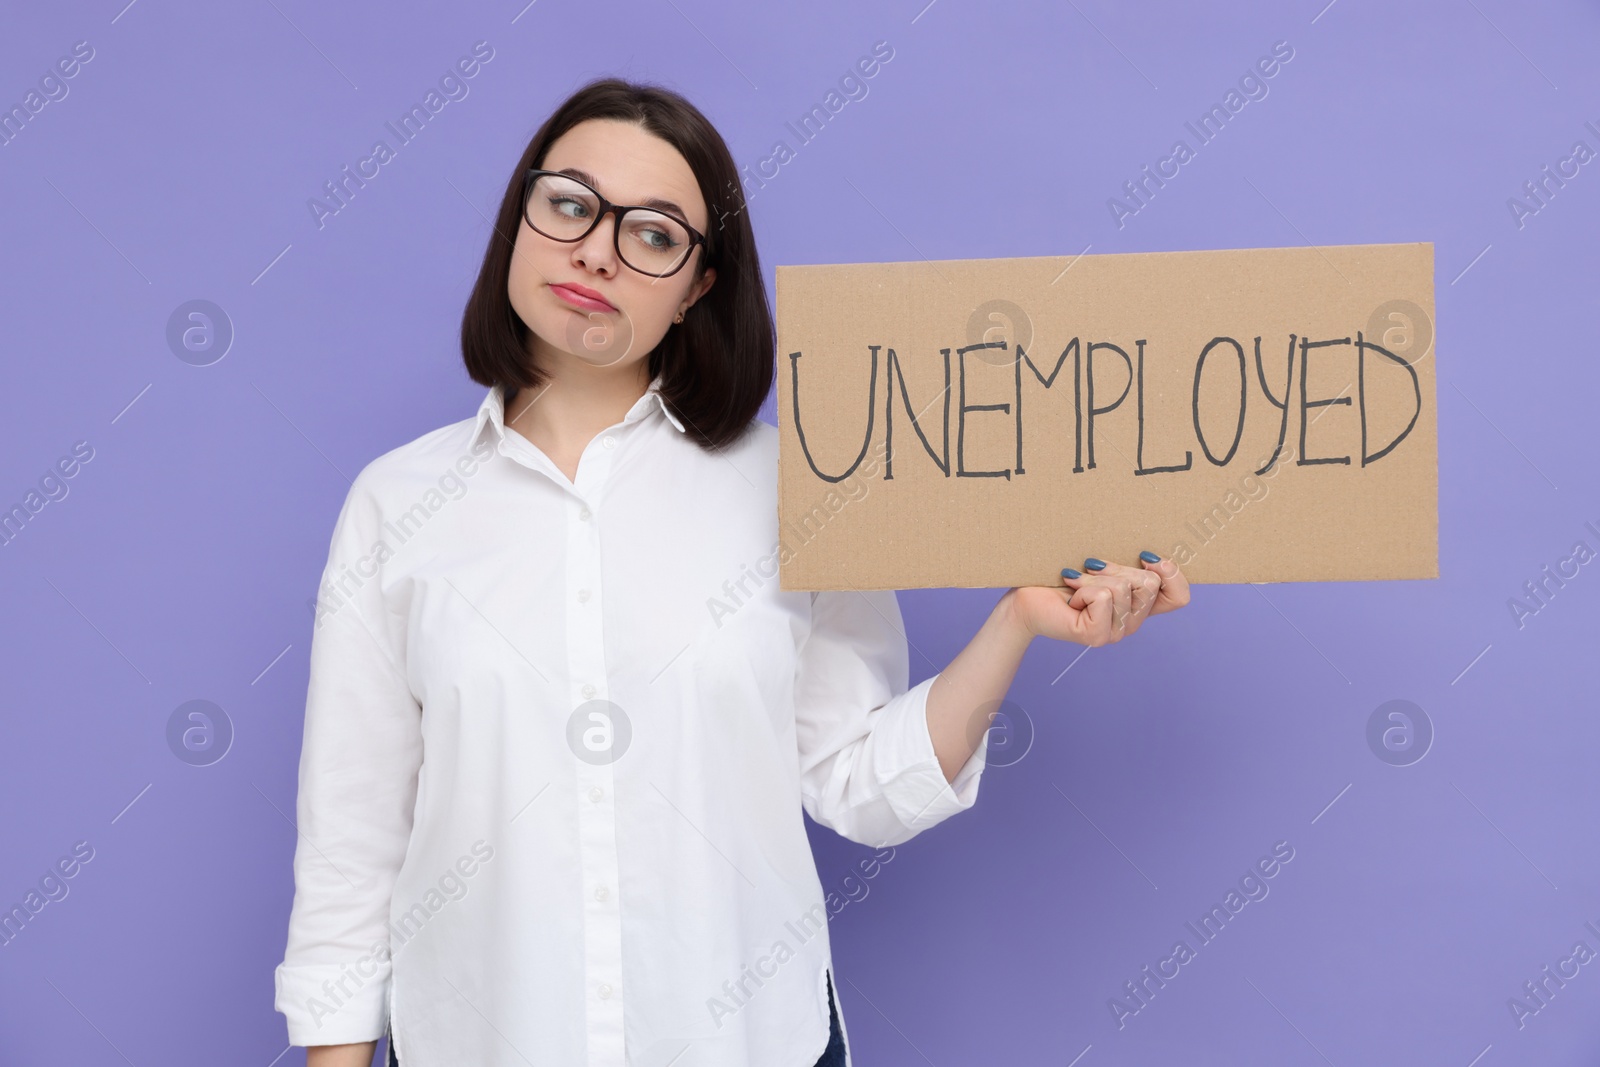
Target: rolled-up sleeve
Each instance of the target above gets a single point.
(868, 769)
(359, 758)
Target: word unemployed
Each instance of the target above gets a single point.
(1086, 410)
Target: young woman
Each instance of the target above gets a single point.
(553, 774)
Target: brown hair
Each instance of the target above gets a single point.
(717, 365)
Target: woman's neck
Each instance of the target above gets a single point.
(575, 402)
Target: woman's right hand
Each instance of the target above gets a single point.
(357, 1055)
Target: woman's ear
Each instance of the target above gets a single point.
(701, 286)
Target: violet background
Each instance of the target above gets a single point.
(180, 565)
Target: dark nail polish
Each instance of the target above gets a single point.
(1068, 572)
(1092, 564)
(1149, 556)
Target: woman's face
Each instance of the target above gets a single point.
(626, 165)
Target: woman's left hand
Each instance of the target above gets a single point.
(1102, 604)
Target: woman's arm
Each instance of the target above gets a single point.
(1098, 608)
(974, 683)
(360, 758)
(867, 769)
(357, 1055)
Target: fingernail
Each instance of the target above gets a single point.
(1068, 572)
(1149, 556)
(1092, 564)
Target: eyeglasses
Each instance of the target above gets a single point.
(649, 241)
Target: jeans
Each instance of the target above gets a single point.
(832, 1056)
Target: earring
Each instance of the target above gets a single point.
(679, 318)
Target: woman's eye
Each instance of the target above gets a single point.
(562, 204)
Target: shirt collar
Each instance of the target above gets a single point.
(492, 412)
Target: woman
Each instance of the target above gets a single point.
(561, 722)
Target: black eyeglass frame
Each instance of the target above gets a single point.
(606, 208)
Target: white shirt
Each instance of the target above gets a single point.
(510, 873)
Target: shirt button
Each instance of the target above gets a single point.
(605, 991)
(583, 596)
(595, 793)
(583, 513)
(589, 691)
(601, 893)
(609, 441)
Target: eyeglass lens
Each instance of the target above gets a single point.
(564, 209)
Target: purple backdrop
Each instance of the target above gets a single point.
(176, 163)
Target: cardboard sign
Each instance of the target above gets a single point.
(1257, 415)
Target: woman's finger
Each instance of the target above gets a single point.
(1174, 586)
(1147, 590)
(1143, 588)
(1122, 604)
(1090, 606)
(1119, 580)
(1111, 601)
(1096, 615)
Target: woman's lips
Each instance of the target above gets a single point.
(579, 300)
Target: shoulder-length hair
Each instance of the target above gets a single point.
(716, 366)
